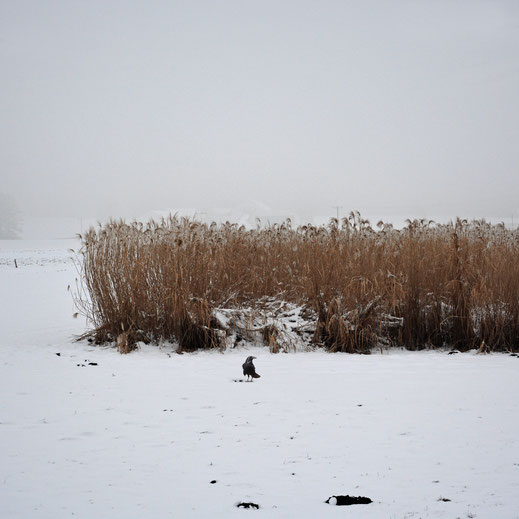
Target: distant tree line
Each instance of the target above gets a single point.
(10, 218)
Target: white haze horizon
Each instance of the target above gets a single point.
(259, 110)
(44, 228)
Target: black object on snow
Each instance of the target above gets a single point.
(248, 368)
(348, 500)
(247, 505)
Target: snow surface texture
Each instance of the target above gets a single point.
(156, 434)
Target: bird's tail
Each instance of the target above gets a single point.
(255, 375)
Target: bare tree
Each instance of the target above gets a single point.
(10, 218)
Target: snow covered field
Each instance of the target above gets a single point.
(156, 434)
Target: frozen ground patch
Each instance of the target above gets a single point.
(156, 434)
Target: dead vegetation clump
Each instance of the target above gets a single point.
(427, 285)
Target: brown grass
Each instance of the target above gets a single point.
(425, 286)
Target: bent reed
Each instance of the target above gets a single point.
(427, 285)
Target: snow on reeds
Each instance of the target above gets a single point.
(346, 286)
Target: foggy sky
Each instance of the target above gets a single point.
(397, 107)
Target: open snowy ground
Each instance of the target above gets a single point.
(156, 434)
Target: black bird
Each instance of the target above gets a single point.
(248, 368)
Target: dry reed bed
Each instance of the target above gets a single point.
(425, 286)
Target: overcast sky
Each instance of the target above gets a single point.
(390, 107)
